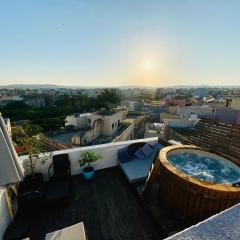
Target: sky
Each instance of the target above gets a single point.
(151, 43)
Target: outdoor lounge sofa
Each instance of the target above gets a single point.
(137, 168)
(74, 232)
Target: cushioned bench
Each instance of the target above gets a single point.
(136, 169)
(74, 232)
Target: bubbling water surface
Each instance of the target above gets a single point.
(204, 167)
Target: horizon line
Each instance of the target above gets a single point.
(113, 86)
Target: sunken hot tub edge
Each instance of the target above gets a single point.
(188, 197)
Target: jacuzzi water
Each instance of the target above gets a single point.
(205, 167)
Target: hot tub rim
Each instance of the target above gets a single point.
(211, 186)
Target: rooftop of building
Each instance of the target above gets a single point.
(103, 111)
(109, 112)
(65, 136)
(81, 115)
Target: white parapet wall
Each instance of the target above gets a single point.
(107, 151)
(224, 225)
(5, 217)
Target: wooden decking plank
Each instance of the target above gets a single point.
(108, 207)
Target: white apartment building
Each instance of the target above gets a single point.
(103, 122)
(194, 110)
(78, 120)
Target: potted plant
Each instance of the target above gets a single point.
(30, 190)
(32, 147)
(86, 159)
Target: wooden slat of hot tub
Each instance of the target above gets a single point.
(154, 171)
(190, 198)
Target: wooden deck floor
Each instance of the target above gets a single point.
(108, 207)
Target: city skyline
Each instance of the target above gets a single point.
(112, 43)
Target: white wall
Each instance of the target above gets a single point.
(177, 123)
(5, 217)
(112, 119)
(91, 134)
(108, 152)
(71, 120)
(129, 104)
(128, 134)
(79, 121)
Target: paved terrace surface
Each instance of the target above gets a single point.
(107, 205)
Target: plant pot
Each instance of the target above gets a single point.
(30, 193)
(30, 182)
(88, 172)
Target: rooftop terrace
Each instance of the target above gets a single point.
(107, 205)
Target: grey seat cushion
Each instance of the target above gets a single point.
(137, 169)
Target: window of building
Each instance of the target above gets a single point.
(118, 122)
(89, 121)
(113, 126)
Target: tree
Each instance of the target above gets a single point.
(32, 149)
(32, 129)
(17, 133)
(109, 98)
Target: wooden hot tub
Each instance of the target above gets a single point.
(188, 197)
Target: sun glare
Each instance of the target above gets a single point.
(148, 66)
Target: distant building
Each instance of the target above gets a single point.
(93, 125)
(172, 110)
(131, 105)
(4, 100)
(91, 92)
(214, 102)
(78, 120)
(236, 103)
(154, 130)
(227, 115)
(168, 115)
(176, 102)
(157, 107)
(153, 107)
(200, 93)
(194, 110)
(36, 103)
(177, 122)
